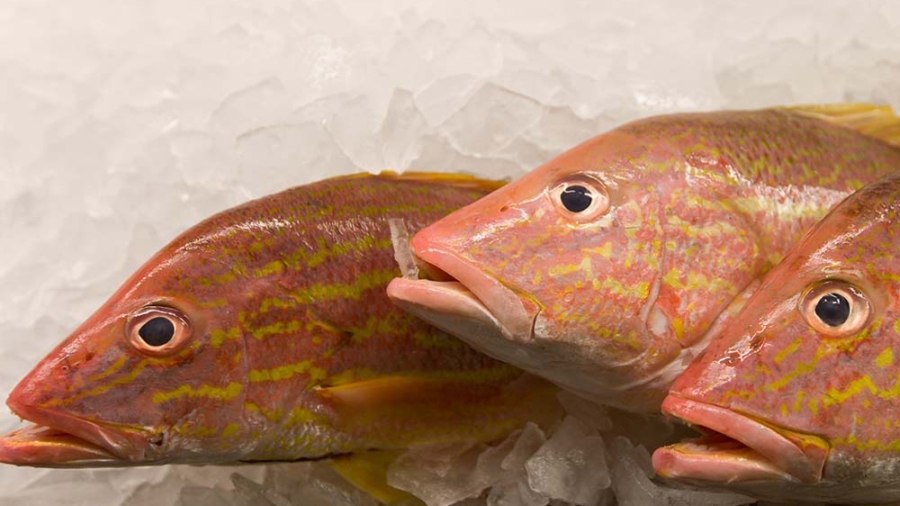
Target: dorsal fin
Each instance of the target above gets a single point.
(445, 178)
(877, 121)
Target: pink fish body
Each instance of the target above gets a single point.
(264, 333)
(605, 269)
(801, 392)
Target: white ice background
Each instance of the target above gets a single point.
(124, 122)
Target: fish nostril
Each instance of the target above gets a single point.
(504, 209)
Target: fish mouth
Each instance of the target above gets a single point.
(56, 439)
(463, 298)
(737, 448)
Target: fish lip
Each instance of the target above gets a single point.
(57, 439)
(471, 294)
(772, 454)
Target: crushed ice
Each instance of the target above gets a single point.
(579, 462)
(123, 123)
(402, 252)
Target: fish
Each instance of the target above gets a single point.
(799, 396)
(609, 268)
(264, 333)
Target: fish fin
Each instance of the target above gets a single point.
(368, 472)
(395, 412)
(877, 121)
(464, 181)
(366, 394)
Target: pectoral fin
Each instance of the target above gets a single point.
(390, 390)
(368, 472)
(395, 412)
(878, 121)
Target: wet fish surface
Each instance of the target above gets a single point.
(610, 267)
(799, 394)
(264, 333)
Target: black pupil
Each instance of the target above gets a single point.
(157, 331)
(833, 309)
(576, 198)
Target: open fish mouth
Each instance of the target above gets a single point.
(55, 439)
(464, 292)
(737, 448)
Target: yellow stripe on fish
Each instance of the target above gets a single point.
(805, 376)
(229, 343)
(646, 234)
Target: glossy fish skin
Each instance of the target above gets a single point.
(292, 349)
(689, 210)
(820, 400)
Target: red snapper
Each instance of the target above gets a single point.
(605, 269)
(264, 333)
(800, 393)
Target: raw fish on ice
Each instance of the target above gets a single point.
(799, 394)
(609, 268)
(264, 333)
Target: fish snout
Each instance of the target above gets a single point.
(467, 290)
(61, 434)
(58, 438)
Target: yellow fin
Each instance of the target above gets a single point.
(396, 412)
(877, 121)
(366, 394)
(445, 178)
(368, 472)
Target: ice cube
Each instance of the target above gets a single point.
(315, 484)
(444, 97)
(490, 120)
(277, 157)
(441, 474)
(571, 465)
(194, 495)
(400, 134)
(265, 103)
(256, 494)
(527, 442)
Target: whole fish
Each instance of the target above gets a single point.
(605, 269)
(264, 333)
(801, 392)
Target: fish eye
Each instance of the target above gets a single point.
(580, 198)
(158, 330)
(576, 198)
(835, 308)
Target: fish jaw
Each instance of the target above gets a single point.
(742, 450)
(472, 295)
(57, 439)
(42, 446)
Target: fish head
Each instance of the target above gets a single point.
(801, 388)
(557, 271)
(149, 377)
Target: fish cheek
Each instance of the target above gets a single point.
(182, 403)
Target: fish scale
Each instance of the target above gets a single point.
(294, 351)
(696, 208)
(806, 410)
